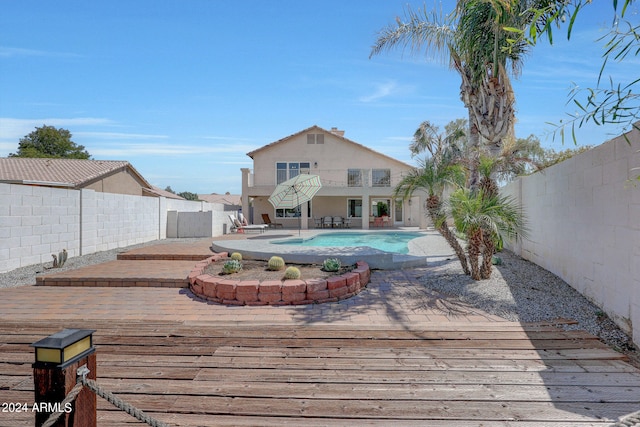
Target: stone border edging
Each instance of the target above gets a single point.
(224, 290)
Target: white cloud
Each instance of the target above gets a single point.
(11, 129)
(119, 135)
(155, 149)
(9, 52)
(381, 91)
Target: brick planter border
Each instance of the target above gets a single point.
(229, 291)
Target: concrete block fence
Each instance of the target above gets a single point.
(229, 291)
(38, 221)
(584, 220)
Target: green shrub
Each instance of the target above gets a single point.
(275, 263)
(292, 273)
(232, 266)
(237, 256)
(331, 264)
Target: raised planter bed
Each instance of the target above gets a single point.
(229, 291)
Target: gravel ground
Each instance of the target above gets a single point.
(518, 290)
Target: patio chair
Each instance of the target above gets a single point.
(242, 228)
(317, 222)
(327, 221)
(267, 221)
(386, 221)
(337, 221)
(346, 223)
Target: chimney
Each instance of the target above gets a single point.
(335, 131)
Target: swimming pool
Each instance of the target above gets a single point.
(395, 242)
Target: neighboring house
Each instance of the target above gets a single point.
(357, 182)
(159, 192)
(231, 202)
(107, 176)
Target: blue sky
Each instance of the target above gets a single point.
(183, 89)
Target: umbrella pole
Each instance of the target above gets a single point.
(300, 216)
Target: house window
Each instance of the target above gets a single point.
(354, 178)
(281, 172)
(381, 177)
(294, 212)
(288, 213)
(288, 170)
(354, 208)
(315, 138)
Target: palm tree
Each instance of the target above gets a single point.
(485, 220)
(442, 146)
(432, 177)
(471, 39)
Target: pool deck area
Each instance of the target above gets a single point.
(423, 250)
(398, 353)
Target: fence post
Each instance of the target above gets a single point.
(58, 358)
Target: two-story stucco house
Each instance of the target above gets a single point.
(357, 182)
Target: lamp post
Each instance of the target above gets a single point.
(57, 360)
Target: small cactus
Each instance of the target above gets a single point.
(232, 266)
(62, 257)
(275, 263)
(292, 273)
(331, 264)
(237, 256)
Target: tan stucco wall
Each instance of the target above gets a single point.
(119, 183)
(333, 158)
(331, 162)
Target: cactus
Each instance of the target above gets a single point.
(62, 258)
(232, 266)
(237, 256)
(55, 261)
(331, 264)
(275, 263)
(292, 273)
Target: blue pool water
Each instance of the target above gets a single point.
(395, 242)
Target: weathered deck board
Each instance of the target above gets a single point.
(455, 375)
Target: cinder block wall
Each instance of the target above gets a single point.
(584, 219)
(38, 221)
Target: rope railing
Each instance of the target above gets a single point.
(53, 418)
(82, 382)
(121, 404)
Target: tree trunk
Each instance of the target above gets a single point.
(453, 242)
(487, 255)
(474, 245)
(434, 209)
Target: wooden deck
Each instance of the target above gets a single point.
(485, 374)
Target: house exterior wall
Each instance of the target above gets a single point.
(121, 182)
(331, 161)
(584, 219)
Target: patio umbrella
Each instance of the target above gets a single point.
(294, 192)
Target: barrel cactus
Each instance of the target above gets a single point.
(331, 264)
(275, 263)
(237, 256)
(292, 273)
(232, 266)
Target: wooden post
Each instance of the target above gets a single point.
(55, 375)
